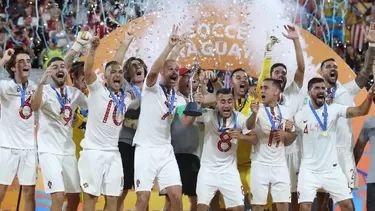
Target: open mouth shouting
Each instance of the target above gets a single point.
(138, 72)
(117, 82)
(60, 75)
(320, 98)
(242, 87)
(226, 112)
(333, 75)
(173, 79)
(263, 97)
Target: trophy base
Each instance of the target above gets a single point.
(193, 109)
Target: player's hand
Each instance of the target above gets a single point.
(371, 91)
(130, 34)
(254, 106)
(370, 35)
(174, 38)
(83, 37)
(253, 93)
(289, 124)
(95, 42)
(234, 133)
(132, 95)
(183, 41)
(281, 135)
(208, 75)
(291, 32)
(45, 76)
(7, 54)
(198, 97)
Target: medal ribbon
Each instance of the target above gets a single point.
(222, 130)
(270, 118)
(60, 99)
(244, 102)
(137, 92)
(323, 125)
(121, 104)
(22, 91)
(332, 91)
(171, 101)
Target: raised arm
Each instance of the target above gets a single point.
(364, 108)
(37, 98)
(292, 34)
(251, 121)
(121, 51)
(159, 63)
(363, 76)
(188, 121)
(83, 38)
(90, 74)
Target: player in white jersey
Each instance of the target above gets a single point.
(269, 169)
(154, 157)
(218, 171)
(317, 124)
(344, 95)
(99, 165)
(290, 95)
(56, 104)
(18, 156)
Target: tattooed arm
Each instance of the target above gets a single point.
(364, 108)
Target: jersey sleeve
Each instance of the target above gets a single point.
(242, 123)
(132, 103)
(81, 99)
(205, 118)
(153, 88)
(95, 86)
(340, 110)
(352, 87)
(292, 89)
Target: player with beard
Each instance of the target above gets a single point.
(218, 172)
(344, 95)
(18, 155)
(57, 103)
(317, 123)
(99, 165)
(269, 170)
(154, 157)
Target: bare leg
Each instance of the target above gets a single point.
(175, 195)
(89, 202)
(142, 200)
(110, 203)
(29, 196)
(121, 199)
(73, 201)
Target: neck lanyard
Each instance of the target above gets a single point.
(61, 100)
(170, 101)
(270, 118)
(332, 91)
(120, 104)
(136, 90)
(242, 105)
(23, 92)
(323, 124)
(222, 130)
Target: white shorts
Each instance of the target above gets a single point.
(347, 163)
(334, 183)
(294, 161)
(229, 184)
(60, 173)
(23, 163)
(152, 163)
(264, 177)
(101, 172)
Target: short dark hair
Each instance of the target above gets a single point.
(327, 60)
(110, 64)
(313, 81)
(277, 65)
(76, 69)
(224, 91)
(276, 83)
(237, 70)
(54, 59)
(18, 49)
(127, 67)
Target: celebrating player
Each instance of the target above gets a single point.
(154, 157)
(57, 103)
(218, 172)
(269, 167)
(319, 166)
(344, 95)
(100, 166)
(18, 155)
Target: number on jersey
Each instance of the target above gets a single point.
(26, 112)
(224, 144)
(114, 114)
(272, 138)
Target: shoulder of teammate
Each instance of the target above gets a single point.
(207, 115)
(286, 112)
(292, 89)
(78, 97)
(95, 86)
(301, 114)
(337, 110)
(153, 88)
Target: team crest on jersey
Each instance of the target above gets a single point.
(138, 183)
(49, 184)
(85, 185)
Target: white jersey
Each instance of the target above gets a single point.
(16, 125)
(345, 95)
(319, 153)
(269, 150)
(154, 124)
(291, 99)
(219, 153)
(104, 119)
(55, 133)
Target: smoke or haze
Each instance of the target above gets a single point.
(262, 16)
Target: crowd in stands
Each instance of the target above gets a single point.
(50, 30)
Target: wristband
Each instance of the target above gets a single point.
(77, 46)
(371, 44)
(369, 98)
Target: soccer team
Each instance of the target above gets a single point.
(272, 144)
